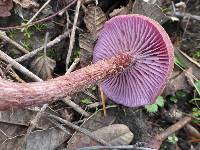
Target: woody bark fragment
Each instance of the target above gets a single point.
(18, 95)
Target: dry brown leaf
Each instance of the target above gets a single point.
(178, 82)
(150, 10)
(26, 3)
(119, 11)
(43, 66)
(86, 43)
(93, 123)
(5, 7)
(116, 134)
(38, 140)
(23, 117)
(94, 19)
(123, 10)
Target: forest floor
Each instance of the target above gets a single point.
(43, 36)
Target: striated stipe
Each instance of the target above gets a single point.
(152, 50)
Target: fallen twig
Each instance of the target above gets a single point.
(75, 106)
(187, 15)
(72, 36)
(32, 126)
(72, 67)
(159, 138)
(18, 66)
(77, 128)
(42, 20)
(50, 44)
(133, 147)
(36, 14)
(18, 46)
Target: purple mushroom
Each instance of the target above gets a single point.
(152, 51)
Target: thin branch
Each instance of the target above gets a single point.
(132, 147)
(32, 126)
(42, 20)
(72, 36)
(73, 65)
(36, 14)
(77, 128)
(60, 126)
(159, 138)
(18, 66)
(50, 44)
(17, 45)
(45, 44)
(75, 106)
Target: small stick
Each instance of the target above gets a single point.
(59, 126)
(50, 44)
(187, 15)
(36, 14)
(18, 46)
(72, 67)
(132, 147)
(42, 20)
(77, 128)
(72, 36)
(18, 66)
(94, 105)
(32, 126)
(75, 106)
(159, 138)
(90, 94)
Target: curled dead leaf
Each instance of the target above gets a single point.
(115, 134)
(86, 43)
(43, 66)
(5, 7)
(178, 81)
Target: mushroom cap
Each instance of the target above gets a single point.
(150, 46)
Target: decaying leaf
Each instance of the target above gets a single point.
(86, 43)
(26, 3)
(5, 7)
(93, 123)
(116, 134)
(43, 66)
(178, 82)
(123, 10)
(23, 117)
(150, 10)
(41, 139)
(94, 20)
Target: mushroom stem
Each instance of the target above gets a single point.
(18, 95)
